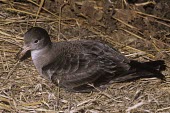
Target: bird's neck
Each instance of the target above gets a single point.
(39, 52)
(40, 57)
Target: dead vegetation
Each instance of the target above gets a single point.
(140, 29)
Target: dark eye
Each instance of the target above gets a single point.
(36, 41)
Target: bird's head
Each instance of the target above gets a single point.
(34, 39)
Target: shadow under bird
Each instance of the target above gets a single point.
(74, 65)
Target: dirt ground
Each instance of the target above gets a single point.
(140, 29)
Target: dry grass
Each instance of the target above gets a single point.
(23, 90)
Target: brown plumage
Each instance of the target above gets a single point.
(75, 64)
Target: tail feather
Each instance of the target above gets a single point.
(158, 65)
(143, 70)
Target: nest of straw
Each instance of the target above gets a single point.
(138, 34)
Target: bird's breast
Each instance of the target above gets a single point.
(40, 59)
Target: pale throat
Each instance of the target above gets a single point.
(42, 57)
(39, 52)
(36, 53)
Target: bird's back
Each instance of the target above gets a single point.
(78, 63)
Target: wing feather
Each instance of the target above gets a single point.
(86, 64)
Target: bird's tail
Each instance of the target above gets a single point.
(143, 70)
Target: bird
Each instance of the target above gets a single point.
(81, 65)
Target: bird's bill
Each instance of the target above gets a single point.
(24, 53)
